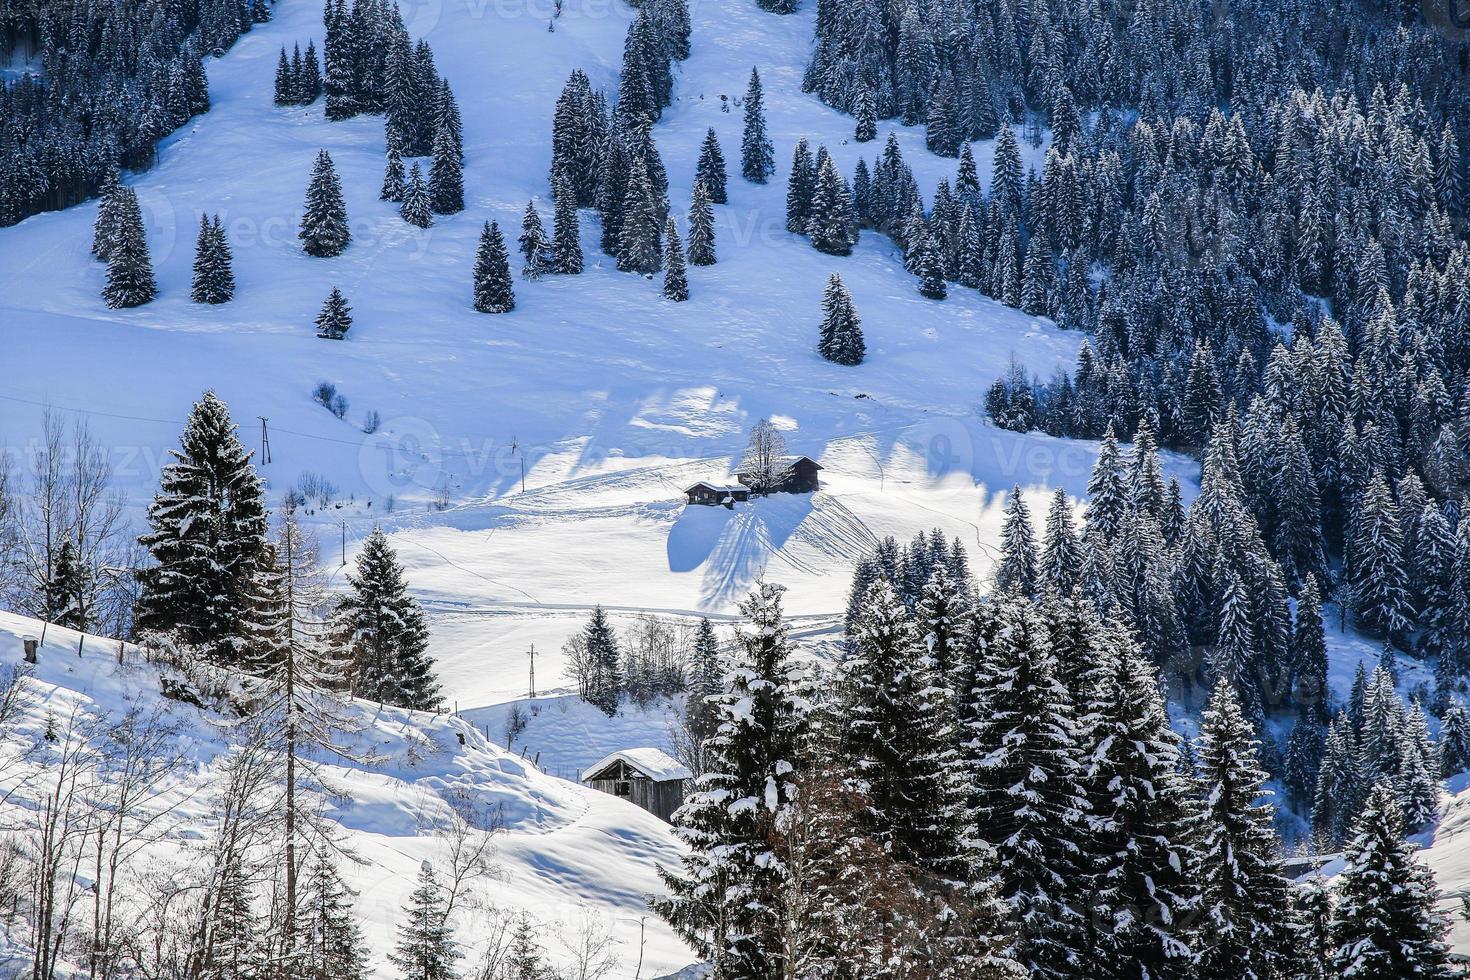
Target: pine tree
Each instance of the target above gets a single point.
(426, 949)
(324, 232)
(129, 269)
(676, 280)
(726, 900)
(604, 663)
(1061, 558)
(493, 289)
(705, 676)
(710, 170)
(1454, 741)
(382, 633)
(237, 951)
(394, 179)
(109, 211)
(1340, 785)
(66, 594)
(944, 615)
(639, 249)
(1028, 800)
(841, 337)
(1386, 926)
(285, 93)
(331, 943)
(335, 319)
(898, 740)
(207, 538)
(446, 174)
(1375, 562)
(214, 281)
(1242, 889)
(566, 245)
(701, 227)
(1016, 570)
(1140, 802)
(524, 961)
(309, 80)
(829, 222)
(533, 243)
(1311, 922)
(415, 208)
(800, 185)
(757, 161)
(1309, 655)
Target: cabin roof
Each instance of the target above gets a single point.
(722, 487)
(656, 764)
(789, 461)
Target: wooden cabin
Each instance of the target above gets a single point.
(709, 494)
(646, 777)
(801, 475)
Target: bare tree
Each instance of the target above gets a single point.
(590, 947)
(765, 464)
(495, 927)
(580, 666)
(468, 829)
(12, 557)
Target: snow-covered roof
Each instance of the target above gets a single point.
(656, 764)
(722, 487)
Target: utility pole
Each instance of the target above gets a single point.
(515, 448)
(344, 542)
(533, 671)
(265, 441)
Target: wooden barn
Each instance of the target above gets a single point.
(714, 494)
(801, 475)
(649, 778)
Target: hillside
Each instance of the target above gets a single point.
(565, 854)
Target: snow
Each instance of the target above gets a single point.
(566, 852)
(656, 764)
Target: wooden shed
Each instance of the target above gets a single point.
(715, 494)
(801, 475)
(649, 778)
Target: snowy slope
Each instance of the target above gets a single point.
(566, 852)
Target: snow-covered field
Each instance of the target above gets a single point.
(530, 465)
(567, 854)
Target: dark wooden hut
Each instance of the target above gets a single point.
(715, 494)
(800, 475)
(648, 778)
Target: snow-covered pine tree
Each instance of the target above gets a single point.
(1140, 800)
(639, 248)
(335, 319)
(1309, 655)
(841, 337)
(1242, 889)
(605, 663)
(726, 900)
(898, 741)
(394, 178)
(324, 231)
(426, 949)
(206, 538)
(800, 185)
(1016, 571)
(104, 229)
(214, 280)
(706, 672)
(757, 161)
(710, 170)
(330, 942)
(676, 279)
(1386, 925)
(284, 92)
(533, 243)
(524, 959)
(701, 227)
(381, 631)
(237, 950)
(308, 81)
(1107, 492)
(1304, 748)
(130, 279)
(1375, 564)
(415, 208)
(1061, 557)
(446, 174)
(1311, 925)
(494, 292)
(944, 619)
(830, 219)
(566, 234)
(1028, 802)
(1340, 785)
(1454, 740)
